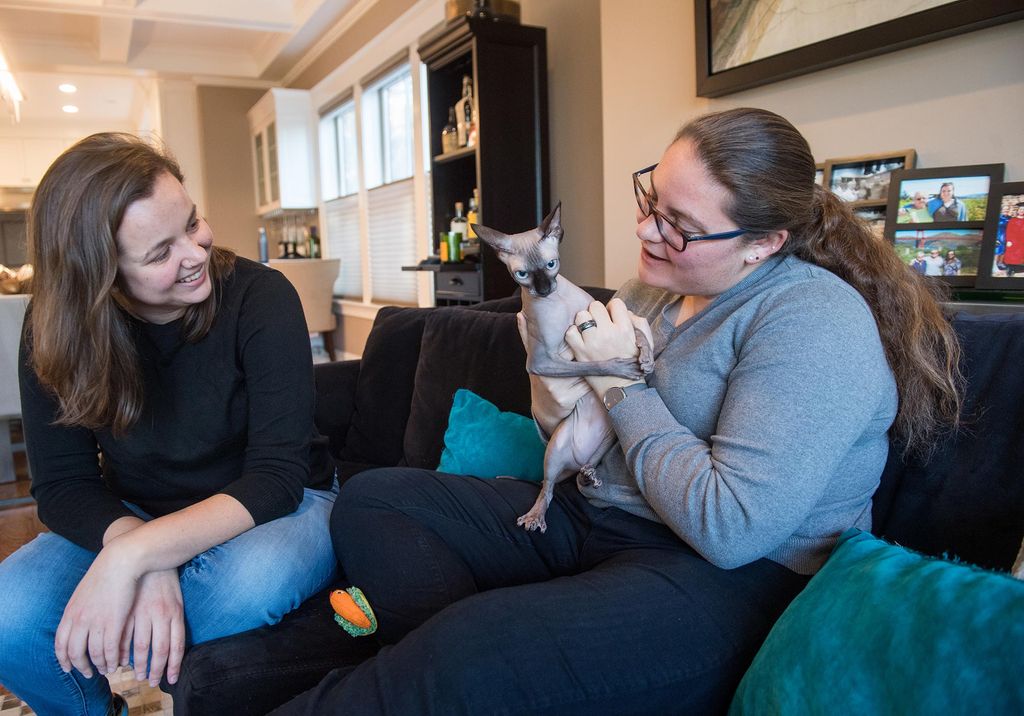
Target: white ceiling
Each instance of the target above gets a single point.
(110, 49)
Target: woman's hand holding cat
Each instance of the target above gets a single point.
(612, 336)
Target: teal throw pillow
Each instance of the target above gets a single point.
(884, 630)
(486, 442)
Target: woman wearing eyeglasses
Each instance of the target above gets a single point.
(759, 438)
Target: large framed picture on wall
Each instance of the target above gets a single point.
(747, 43)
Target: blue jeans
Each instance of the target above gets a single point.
(605, 613)
(249, 581)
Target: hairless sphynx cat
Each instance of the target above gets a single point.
(550, 305)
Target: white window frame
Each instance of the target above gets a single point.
(332, 188)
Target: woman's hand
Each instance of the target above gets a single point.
(157, 621)
(612, 336)
(95, 616)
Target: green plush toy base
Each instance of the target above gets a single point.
(359, 598)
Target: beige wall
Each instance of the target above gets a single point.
(227, 166)
(574, 127)
(894, 101)
(180, 131)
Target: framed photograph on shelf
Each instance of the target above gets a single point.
(951, 255)
(1002, 252)
(935, 220)
(875, 216)
(943, 195)
(865, 180)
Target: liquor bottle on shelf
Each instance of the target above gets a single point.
(442, 246)
(464, 112)
(473, 215)
(313, 250)
(459, 224)
(449, 134)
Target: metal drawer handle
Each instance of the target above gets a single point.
(456, 281)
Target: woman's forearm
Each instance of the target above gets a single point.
(172, 540)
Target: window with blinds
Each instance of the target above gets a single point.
(378, 181)
(341, 234)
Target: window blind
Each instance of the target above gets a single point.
(342, 237)
(392, 214)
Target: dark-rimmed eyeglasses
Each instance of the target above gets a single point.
(674, 236)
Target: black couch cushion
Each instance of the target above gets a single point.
(335, 400)
(967, 500)
(384, 387)
(463, 348)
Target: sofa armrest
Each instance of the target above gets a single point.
(335, 400)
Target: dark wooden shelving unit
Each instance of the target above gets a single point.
(509, 165)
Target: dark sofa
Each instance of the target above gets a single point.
(391, 408)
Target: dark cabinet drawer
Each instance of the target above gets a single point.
(458, 285)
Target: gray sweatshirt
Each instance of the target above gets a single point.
(764, 430)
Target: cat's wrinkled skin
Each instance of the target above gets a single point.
(550, 303)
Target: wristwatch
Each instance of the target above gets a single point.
(615, 395)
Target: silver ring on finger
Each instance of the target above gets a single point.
(586, 324)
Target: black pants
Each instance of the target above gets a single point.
(605, 613)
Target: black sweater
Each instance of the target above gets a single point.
(230, 414)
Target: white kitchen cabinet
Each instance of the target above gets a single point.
(282, 126)
(24, 160)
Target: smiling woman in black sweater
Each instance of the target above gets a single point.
(167, 398)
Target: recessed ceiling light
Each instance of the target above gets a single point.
(70, 108)
(67, 88)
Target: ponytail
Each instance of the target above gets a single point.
(759, 156)
(920, 344)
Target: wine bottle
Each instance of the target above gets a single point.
(473, 215)
(464, 111)
(313, 251)
(263, 248)
(459, 225)
(449, 135)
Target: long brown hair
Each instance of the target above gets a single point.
(81, 335)
(767, 166)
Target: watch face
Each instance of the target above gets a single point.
(613, 396)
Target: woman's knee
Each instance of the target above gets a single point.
(36, 583)
(364, 494)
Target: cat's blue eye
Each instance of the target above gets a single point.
(521, 275)
(552, 263)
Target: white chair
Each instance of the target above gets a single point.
(12, 314)
(314, 280)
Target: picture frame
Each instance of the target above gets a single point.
(819, 173)
(995, 271)
(875, 218)
(942, 209)
(934, 247)
(864, 180)
(971, 187)
(730, 25)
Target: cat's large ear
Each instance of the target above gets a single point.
(502, 243)
(551, 227)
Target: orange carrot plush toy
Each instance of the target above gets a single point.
(353, 612)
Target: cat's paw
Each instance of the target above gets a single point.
(533, 520)
(588, 477)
